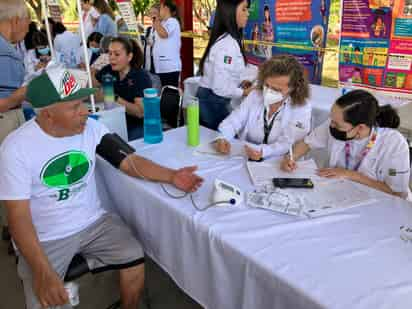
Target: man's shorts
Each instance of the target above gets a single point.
(106, 244)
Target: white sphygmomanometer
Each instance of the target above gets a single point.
(225, 193)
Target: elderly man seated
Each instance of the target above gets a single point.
(48, 186)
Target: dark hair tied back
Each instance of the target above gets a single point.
(361, 107)
(131, 46)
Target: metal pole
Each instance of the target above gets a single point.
(85, 51)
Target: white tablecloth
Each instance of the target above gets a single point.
(237, 257)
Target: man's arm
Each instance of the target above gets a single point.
(183, 179)
(47, 285)
(14, 100)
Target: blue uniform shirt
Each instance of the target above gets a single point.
(12, 69)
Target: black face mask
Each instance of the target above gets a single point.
(339, 135)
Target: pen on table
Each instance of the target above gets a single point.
(291, 152)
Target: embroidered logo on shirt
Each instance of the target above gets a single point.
(394, 172)
(227, 60)
(299, 125)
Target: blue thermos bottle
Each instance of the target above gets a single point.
(152, 123)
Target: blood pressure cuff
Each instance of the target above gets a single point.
(114, 149)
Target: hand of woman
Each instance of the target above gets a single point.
(246, 84)
(40, 66)
(287, 164)
(222, 146)
(247, 90)
(139, 107)
(252, 154)
(337, 172)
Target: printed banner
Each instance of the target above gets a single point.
(376, 44)
(127, 12)
(285, 22)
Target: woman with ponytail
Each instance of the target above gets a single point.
(129, 81)
(363, 145)
(223, 63)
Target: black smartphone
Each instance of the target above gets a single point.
(305, 183)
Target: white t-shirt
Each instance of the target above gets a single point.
(166, 52)
(387, 161)
(56, 175)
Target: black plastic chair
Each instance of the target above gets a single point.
(79, 267)
(171, 106)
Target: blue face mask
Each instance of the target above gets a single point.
(43, 51)
(95, 50)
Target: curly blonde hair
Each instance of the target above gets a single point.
(286, 65)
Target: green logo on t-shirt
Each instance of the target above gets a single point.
(64, 171)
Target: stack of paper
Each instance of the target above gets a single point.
(264, 172)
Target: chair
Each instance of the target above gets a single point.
(171, 106)
(79, 267)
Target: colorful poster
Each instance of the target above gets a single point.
(376, 44)
(298, 27)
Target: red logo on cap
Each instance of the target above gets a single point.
(69, 83)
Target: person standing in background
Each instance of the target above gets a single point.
(167, 43)
(149, 38)
(90, 17)
(106, 24)
(14, 24)
(223, 64)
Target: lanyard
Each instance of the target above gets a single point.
(364, 152)
(268, 127)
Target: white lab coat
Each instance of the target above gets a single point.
(291, 124)
(223, 68)
(387, 161)
(30, 62)
(166, 52)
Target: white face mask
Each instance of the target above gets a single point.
(271, 96)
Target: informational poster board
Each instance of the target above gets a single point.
(376, 44)
(55, 11)
(296, 27)
(127, 12)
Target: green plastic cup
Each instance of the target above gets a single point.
(192, 116)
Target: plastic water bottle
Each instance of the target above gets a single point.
(347, 87)
(108, 90)
(192, 115)
(73, 62)
(72, 289)
(152, 123)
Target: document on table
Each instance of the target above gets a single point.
(237, 149)
(335, 195)
(264, 172)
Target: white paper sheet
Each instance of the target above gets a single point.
(264, 172)
(333, 196)
(237, 149)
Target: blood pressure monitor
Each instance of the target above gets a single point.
(225, 192)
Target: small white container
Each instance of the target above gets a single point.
(72, 289)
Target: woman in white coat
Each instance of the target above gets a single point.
(273, 116)
(167, 42)
(223, 63)
(362, 145)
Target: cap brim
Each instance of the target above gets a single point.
(82, 93)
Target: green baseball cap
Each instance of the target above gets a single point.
(55, 85)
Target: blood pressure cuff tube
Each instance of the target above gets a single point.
(114, 149)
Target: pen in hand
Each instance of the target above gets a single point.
(291, 152)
